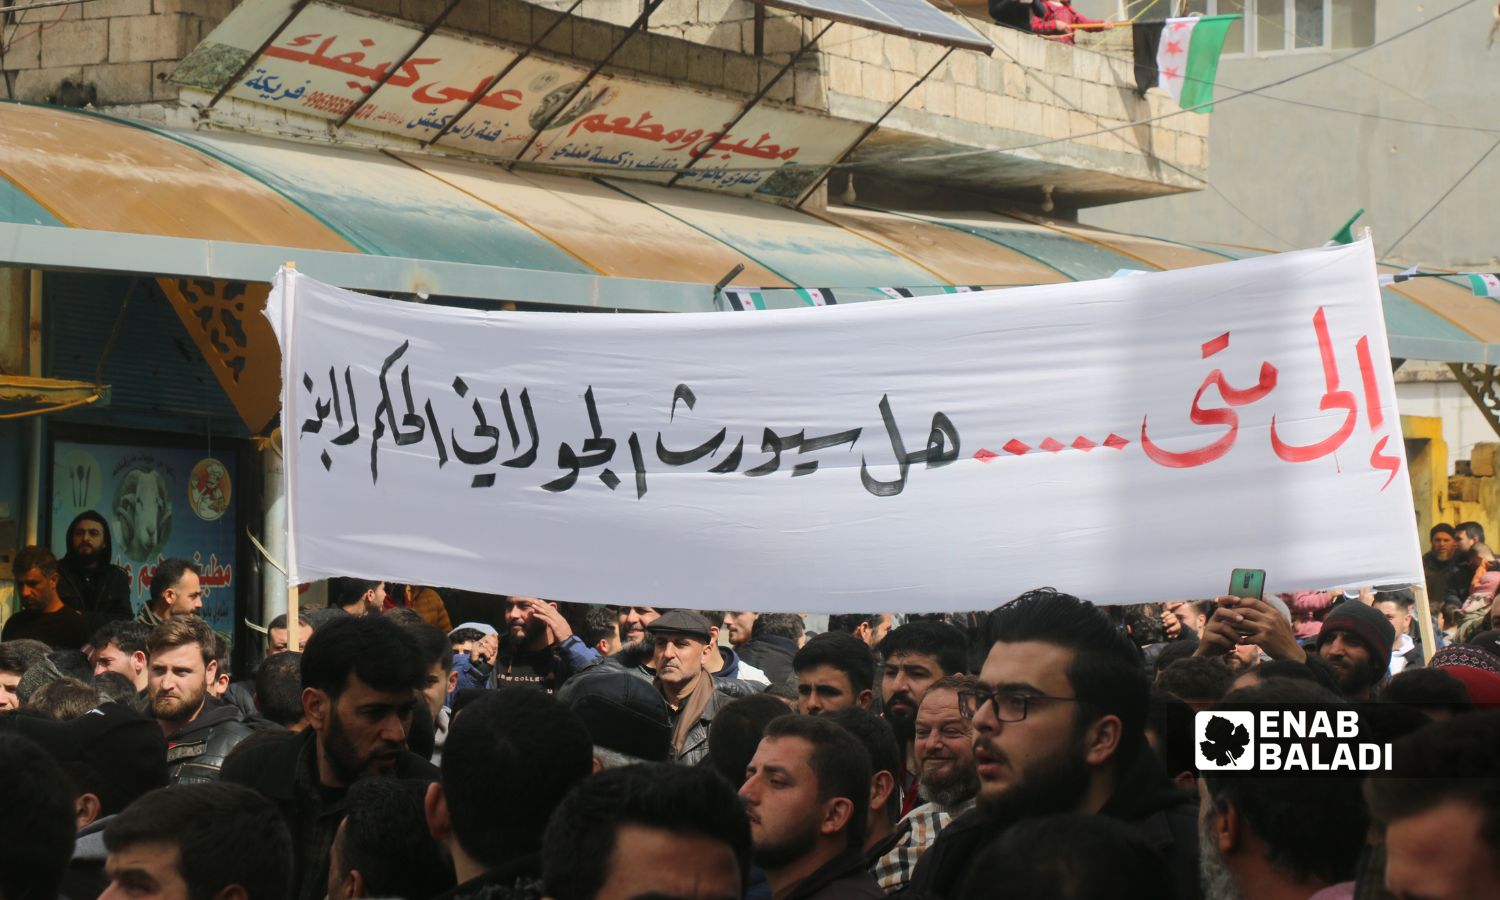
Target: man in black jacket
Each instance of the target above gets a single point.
(88, 581)
(1059, 718)
(511, 756)
(361, 677)
(807, 794)
(774, 640)
(200, 730)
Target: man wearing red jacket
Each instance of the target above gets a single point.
(1061, 21)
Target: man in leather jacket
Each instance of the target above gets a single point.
(200, 731)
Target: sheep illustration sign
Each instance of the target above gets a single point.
(160, 502)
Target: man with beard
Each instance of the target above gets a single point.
(529, 651)
(176, 591)
(1441, 562)
(807, 794)
(361, 677)
(88, 581)
(1355, 640)
(1059, 717)
(43, 616)
(633, 655)
(946, 778)
(913, 657)
(738, 624)
(1439, 809)
(200, 731)
(1275, 837)
(834, 671)
(357, 596)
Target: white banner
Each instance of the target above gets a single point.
(1127, 440)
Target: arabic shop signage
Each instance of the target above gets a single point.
(329, 58)
(161, 502)
(924, 454)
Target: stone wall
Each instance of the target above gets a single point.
(104, 52)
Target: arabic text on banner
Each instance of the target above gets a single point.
(1127, 440)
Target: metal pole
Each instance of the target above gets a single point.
(245, 66)
(288, 555)
(391, 70)
(745, 110)
(273, 591)
(635, 26)
(871, 129)
(33, 523)
(495, 82)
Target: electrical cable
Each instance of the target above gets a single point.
(1213, 188)
(1043, 142)
(1392, 248)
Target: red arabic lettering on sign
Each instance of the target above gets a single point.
(408, 75)
(210, 574)
(702, 143)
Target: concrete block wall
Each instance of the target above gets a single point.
(104, 52)
(1028, 85)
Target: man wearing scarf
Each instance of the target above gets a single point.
(88, 581)
(680, 641)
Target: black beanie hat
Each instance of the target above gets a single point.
(1364, 622)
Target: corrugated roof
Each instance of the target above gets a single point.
(89, 171)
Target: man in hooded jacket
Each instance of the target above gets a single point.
(88, 581)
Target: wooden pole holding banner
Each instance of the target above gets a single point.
(293, 627)
(1424, 623)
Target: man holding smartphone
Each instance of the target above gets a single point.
(1355, 640)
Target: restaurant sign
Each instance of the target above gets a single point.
(330, 60)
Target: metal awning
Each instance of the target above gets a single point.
(215, 205)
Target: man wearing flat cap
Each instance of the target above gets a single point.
(680, 641)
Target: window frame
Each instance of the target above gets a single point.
(1250, 33)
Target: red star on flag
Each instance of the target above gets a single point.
(1170, 73)
(1178, 26)
(1174, 48)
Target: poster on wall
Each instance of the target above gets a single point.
(161, 502)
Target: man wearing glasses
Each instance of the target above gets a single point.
(1059, 715)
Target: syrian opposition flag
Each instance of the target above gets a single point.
(745, 301)
(1485, 285)
(1181, 56)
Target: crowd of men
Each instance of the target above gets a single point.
(1041, 750)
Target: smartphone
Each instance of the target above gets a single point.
(1247, 583)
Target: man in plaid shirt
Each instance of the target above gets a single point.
(948, 780)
